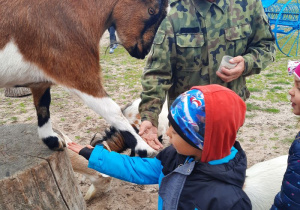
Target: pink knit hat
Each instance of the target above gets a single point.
(294, 68)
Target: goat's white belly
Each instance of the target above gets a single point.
(15, 70)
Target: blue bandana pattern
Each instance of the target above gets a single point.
(188, 111)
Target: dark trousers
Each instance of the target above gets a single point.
(112, 35)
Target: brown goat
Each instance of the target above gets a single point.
(46, 42)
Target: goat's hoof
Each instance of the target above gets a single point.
(54, 143)
(100, 185)
(149, 152)
(90, 194)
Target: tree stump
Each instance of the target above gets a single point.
(33, 176)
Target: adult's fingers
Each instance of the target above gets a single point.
(145, 125)
(152, 141)
(157, 142)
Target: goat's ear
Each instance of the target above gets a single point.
(124, 107)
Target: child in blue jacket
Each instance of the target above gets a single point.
(204, 168)
(289, 196)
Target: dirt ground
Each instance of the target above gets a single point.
(80, 123)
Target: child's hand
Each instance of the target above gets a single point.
(77, 147)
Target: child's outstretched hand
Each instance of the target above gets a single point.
(77, 147)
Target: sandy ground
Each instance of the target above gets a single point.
(263, 136)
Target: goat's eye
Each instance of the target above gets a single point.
(151, 11)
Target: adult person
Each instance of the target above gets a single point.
(189, 46)
(113, 39)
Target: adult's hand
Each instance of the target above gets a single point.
(228, 75)
(149, 133)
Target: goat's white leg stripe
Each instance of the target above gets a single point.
(111, 112)
(108, 109)
(46, 130)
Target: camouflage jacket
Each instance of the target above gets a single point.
(191, 41)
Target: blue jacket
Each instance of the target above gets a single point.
(184, 183)
(289, 196)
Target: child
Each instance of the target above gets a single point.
(204, 168)
(289, 196)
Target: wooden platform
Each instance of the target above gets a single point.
(32, 176)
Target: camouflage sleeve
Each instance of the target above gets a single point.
(261, 45)
(156, 78)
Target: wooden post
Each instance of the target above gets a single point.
(32, 176)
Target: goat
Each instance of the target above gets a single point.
(46, 42)
(263, 182)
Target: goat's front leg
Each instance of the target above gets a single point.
(112, 113)
(42, 100)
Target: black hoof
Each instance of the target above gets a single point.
(54, 143)
(142, 153)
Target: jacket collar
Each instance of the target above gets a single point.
(203, 6)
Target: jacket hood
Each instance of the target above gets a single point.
(223, 120)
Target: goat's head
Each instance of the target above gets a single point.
(136, 22)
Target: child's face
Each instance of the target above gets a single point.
(295, 96)
(181, 146)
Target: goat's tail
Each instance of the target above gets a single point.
(112, 140)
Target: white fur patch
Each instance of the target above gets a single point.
(107, 108)
(263, 181)
(46, 130)
(15, 70)
(132, 111)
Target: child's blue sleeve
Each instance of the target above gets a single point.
(132, 169)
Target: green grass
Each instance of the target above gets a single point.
(254, 89)
(14, 119)
(122, 72)
(274, 89)
(272, 84)
(288, 140)
(29, 118)
(274, 138)
(272, 110)
(254, 107)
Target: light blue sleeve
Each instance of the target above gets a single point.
(132, 169)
